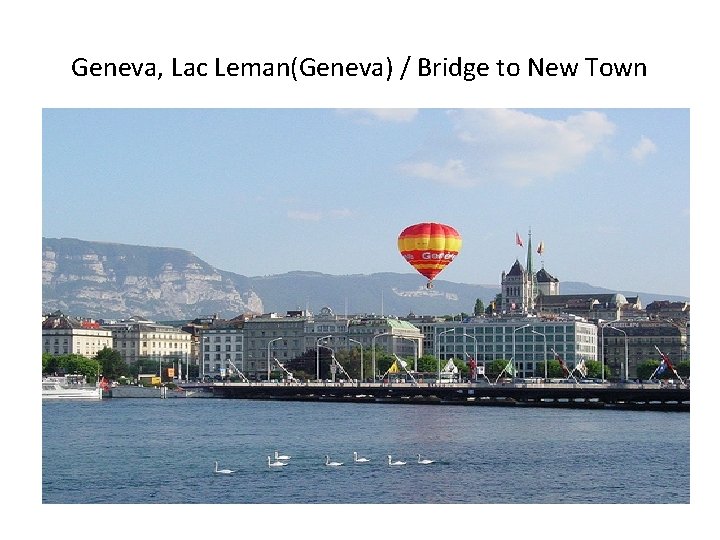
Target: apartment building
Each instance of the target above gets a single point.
(62, 334)
(258, 345)
(139, 339)
(634, 341)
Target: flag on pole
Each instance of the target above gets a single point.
(666, 361)
(582, 368)
(541, 248)
(510, 368)
(518, 240)
(562, 364)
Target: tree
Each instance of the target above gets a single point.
(111, 363)
(647, 368)
(555, 370)
(495, 367)
(50, 364)
(67, 364)
(683, 368)
(479, 308)
(427, 363)
(495, 305)
(594, 369)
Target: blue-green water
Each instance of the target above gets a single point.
(163, 451)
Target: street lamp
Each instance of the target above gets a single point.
(361, 356)
(476, 350)
(513, 342)
(626, 350)
(415, 347)
(372, 343)
(333, 362)
(602, 346)
(437, 349)
(268, 356)
(206, 343)
(544, 349)
(317, 355)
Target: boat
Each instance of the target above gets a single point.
(69, 387)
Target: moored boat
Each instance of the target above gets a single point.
(69, 387)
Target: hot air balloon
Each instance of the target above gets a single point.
(429, 247)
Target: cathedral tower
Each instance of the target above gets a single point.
(519, 285)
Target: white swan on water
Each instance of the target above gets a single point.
(425, 461)
(391, 462)
(332, 463)
(359, 459)
(276, 463)
(278, 456)
(222, 471)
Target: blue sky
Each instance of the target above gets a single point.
(269, 190)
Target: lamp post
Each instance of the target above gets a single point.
(268, 356)
(332, 364)
(626, 350)
(206, 347)
(476, 350)
(415, 347)
(361, 356)
(317, 356)
(372, 343)
(242, 352)
(602, 346)
(437, 349)
(544, 348)
(513, 342)
(602, 351)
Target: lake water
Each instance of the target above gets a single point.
(163, 451)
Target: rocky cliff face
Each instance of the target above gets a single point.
(106, 280)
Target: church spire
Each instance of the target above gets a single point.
(529, 265)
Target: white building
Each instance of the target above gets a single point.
(137, 339)
(68, 335)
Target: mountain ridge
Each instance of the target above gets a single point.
(114, 280)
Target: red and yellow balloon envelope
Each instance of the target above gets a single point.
(429, 247)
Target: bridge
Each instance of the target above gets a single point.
(568, 395)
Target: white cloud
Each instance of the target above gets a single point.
(451, 173)
(643, 149)
(510, 146)
(384, 115)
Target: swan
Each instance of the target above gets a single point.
(222, 471)
(277, 456)
(359, 459)
(391, 462)
(332, 463)
(425, 461)
(276, 463)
